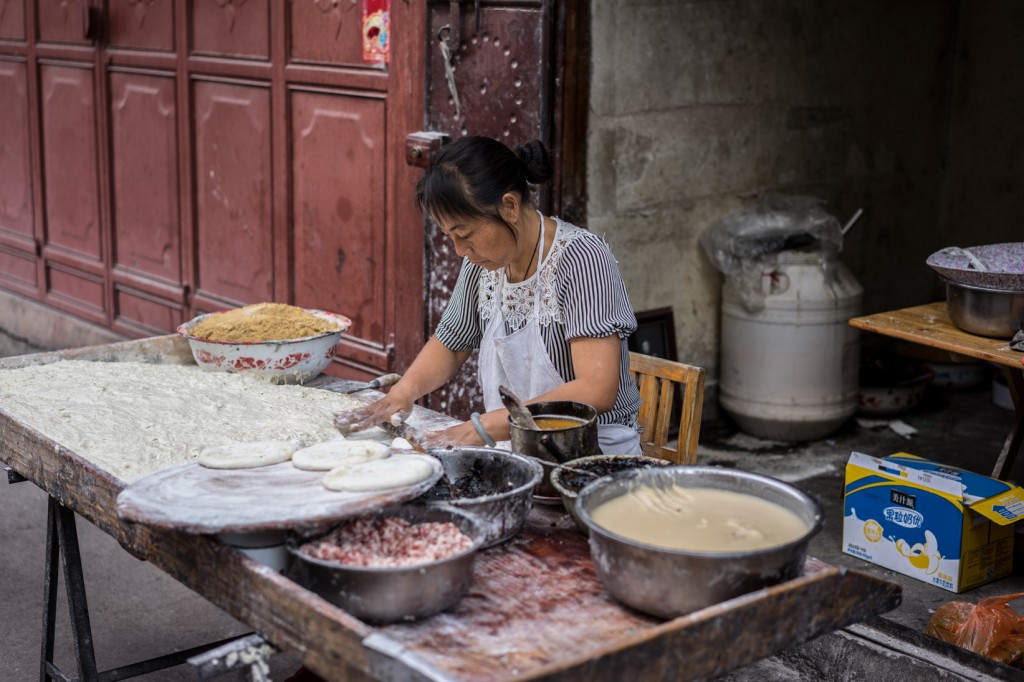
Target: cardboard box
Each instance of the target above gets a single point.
(943, 525)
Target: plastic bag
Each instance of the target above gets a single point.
(991, 628)
(745, 244)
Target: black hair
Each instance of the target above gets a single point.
(469, 177)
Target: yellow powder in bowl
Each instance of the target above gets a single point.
(262, 322)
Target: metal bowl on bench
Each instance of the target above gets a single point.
(995, 313)
(668, 582)
(495, 486)
(386, 595)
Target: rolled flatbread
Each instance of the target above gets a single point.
(332, 454)
(247, 455)
(380, 474)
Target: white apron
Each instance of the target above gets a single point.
(520, 361)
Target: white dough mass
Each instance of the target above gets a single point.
(332, 454)
(134, 418)
(247, 455)
(381, 474)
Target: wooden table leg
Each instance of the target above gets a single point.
(1012, 445)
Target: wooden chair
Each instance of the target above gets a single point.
(658, 380)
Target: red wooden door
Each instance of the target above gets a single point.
(517, 68)
(162, 159)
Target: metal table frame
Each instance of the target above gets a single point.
(62, 544)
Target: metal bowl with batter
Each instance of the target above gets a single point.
(670, 582)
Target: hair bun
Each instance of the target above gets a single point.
(536, 160)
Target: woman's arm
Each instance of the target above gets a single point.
(596, 366)
(434, 365)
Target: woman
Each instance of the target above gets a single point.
(543, 300)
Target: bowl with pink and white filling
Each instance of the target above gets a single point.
(402, 563)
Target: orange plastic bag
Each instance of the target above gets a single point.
(991, 628)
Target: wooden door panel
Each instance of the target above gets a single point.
(140, 24)
(231, 28)
(61, 21)
(338, 181)
(233, 191)
(15, 160)
(18, 269)
(326, 32)
(503, 79)
(500, 75)
(144, 169)
(69, 157)
(12, 19)
(81, 291)
(142, 314)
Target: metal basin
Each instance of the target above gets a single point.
(994, 313)
(668, 582)
(386, 595)
(495, 486)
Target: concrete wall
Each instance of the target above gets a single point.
(908, 109)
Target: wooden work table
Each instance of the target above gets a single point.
(536, 609)
(929, 325)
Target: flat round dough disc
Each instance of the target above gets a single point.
(380, 474)
(247, 455)
(332, 454)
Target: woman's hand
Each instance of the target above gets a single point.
(393, 409)
(460, 434)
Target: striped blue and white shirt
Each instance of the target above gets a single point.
(582, 295)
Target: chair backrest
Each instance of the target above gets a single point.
(658, 380)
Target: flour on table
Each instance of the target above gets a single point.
(133, 419)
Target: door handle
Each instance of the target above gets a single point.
(421, 147)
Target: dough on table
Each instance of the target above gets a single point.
(247, 455)
(332, 454)
(380, 474)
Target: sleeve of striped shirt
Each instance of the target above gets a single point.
(459, 328)
(592, 295)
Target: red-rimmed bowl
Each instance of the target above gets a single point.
(288, 361)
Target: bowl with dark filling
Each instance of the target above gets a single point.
(402, 563)
(569, 481)
(495, 486)
(668, 541)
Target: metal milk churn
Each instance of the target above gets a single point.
(789, 370)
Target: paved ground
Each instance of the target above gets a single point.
(138, 612)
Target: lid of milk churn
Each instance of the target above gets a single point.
(746, 243)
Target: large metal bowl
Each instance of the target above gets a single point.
(386, 595)
(994, 313)
(569, 483)
(495, 486)
(288, 361)
(667, 582)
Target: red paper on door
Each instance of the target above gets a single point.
(377, 31)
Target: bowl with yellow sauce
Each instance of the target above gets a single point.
(281, 343)
(668, 541)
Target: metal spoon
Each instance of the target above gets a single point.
(517, 410)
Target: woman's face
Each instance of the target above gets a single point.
(486, 242)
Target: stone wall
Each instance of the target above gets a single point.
(907, 109)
